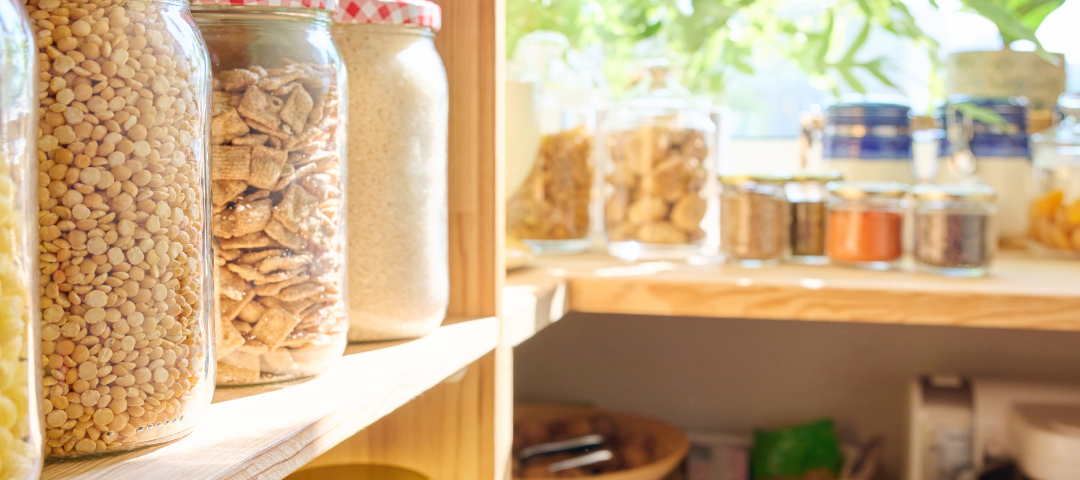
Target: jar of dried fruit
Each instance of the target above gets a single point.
(659, 175)
(278, 193)
(399, 270)
(20, 359)
(754, 219)
(549, 171)
(1055, 212)
(122, 157)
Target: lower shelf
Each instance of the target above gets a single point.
(269, 432)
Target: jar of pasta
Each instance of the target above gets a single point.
(754, 219)
(659, 180)
(866, 224)
(399, 271)
(20, 359)
(1054, 214)
(276, 162)
(550, 172)
(123, 212)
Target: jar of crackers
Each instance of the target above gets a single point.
(278, 194)
(20, 359)
(659, 187)
(549, 167)
(123, 211)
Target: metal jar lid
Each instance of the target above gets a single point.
(967, 193)
(867, 190)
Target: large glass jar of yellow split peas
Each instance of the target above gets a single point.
(1055, 212)
(20, 364)
(124, 116)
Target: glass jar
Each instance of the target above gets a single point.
(955, 229)
(399, 280)
(277, 143)
(660, 172)
(754, 219)
(550, 170)
(978, 152)
(807, 194)
(1055, 212)
(20, 359)
(123, 210)
(869, 141)
(866, 223)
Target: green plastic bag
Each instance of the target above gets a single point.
(793, 452)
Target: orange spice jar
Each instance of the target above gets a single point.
(866, 223)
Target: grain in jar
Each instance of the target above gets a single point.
(754, 219)
(806, 193)
(276, 162)
(20, 359)
(123, 89)
(399, 279)
(955, 229)
(865, 224)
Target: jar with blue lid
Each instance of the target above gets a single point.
(976, 150)
(868, 141)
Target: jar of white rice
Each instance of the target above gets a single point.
(397, 180)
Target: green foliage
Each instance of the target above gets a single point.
(1017, 19)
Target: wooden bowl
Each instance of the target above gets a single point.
(671, 443)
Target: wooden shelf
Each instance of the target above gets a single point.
(1022, 293)
(273, 433)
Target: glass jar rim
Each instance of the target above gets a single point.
(741, 179)
(969, 193)
(867, 190)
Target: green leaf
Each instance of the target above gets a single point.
(983, 114)
(1008, 25)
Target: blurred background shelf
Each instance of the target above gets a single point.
(268, 432)
(1022, 293)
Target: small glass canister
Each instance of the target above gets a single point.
(955, 229)
(123, 210)
(20, 359)
(1054, 218)
(278, 174)
(659, 177)
(399, 273)
(550, 187)
(866, 223)
(754, 219)
(807, 194)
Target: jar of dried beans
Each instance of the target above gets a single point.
(20, 359)
(549, 173)
(1054, 214)
(399, 273)
(277, 170)
(123, 205)
(866, 223)
(659, 175)
(807, 194)
(754, 219)
(955, 229)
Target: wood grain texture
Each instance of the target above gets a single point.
(1023, 293)
(275, 432)
(532, 301)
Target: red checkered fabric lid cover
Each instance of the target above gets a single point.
(394, 12)
(329, 5)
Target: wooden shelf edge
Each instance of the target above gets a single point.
(274, 433)
(532, 301)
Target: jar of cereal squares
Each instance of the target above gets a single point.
(20, 359)
(125, 304)
(277, 144)
(399, 271)
(659, 179)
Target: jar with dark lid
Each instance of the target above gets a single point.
(866, 223)
(754, 219)
(955, 229)
(807, 194)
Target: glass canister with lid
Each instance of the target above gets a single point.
(955, 229)
(754, 219)
(659, 174)
(807, 195)
(977, 151)
(549, 175)
(277, 152)
(866, 223)
(868, 141)
(20, 359)
(1054, 214)
(399, 280)
(123, 223)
